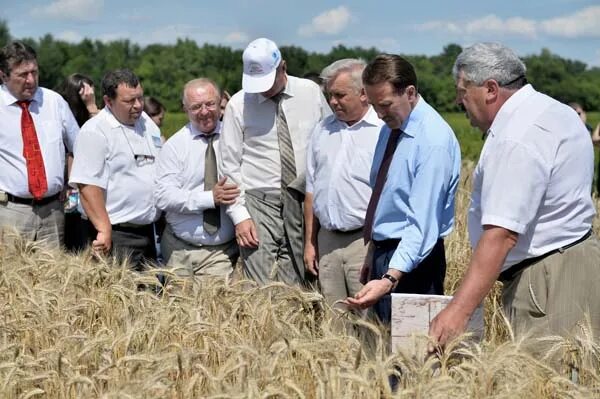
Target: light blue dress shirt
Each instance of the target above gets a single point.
(417, 202)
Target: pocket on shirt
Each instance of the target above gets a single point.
(49, 132)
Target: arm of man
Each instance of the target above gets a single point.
(94, 205)
(231, 148)
(422, 230)
(484, 268)
(172, 196)
(311, 247)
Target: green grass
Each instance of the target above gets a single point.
(468, 137)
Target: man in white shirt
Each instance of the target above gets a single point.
(531, 212)
(114, 170)
(339, 158)
(266, 128)
(36, 125)
(199, 237)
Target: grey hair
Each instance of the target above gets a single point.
(483, 61)
(353, 65)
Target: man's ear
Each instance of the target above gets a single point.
(3, 77)
(283, 66)
(492, 90)
(107, 101)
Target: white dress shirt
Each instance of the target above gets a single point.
(249, 146)
(105, 156)
(534, 176)
(338, 163)
(180, 187)
(56, 129)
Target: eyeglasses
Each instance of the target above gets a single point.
(140, 159)
(210, 106)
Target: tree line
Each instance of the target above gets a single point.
(164, 68)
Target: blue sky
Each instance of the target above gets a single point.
(570, 28)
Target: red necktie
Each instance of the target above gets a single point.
(36, 173)
(388, 155)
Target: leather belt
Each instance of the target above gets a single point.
(510, 273)
(32, 201)
(347, 232)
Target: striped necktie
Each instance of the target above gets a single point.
(286, 150)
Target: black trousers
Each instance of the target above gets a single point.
(133, 243)
(427, 278)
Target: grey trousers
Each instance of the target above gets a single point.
(190, 260)
(276, 258)
(36, 223)
(553, 295)
(341, 256)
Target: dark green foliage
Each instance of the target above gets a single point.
(164, 69)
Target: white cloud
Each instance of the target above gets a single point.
(236, 37)
(77, 10)
(70, 36)
(329, 22)
(583, 23)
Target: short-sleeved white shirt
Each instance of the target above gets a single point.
(338, 164)
(105, 156)
(56, 129)
(534, 176)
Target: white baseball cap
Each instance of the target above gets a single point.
(261, 59)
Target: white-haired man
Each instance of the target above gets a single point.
(339, 158)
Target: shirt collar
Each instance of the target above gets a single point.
(114, 123)
(197, 133)
(508, 108)
(9, 99)
(288, 90)
(369, 118)
(411, 125)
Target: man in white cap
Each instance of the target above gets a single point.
(266, 128)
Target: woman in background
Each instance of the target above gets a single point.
(78, 91)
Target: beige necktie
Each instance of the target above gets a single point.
(286, 150)
(212, 217)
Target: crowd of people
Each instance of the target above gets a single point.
(354, 189)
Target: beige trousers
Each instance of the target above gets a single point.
(341, 256)
(189, 260)
(36, 223)
(555, 294)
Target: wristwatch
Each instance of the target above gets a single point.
(393, 279)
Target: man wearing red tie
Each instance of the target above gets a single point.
(36, 125)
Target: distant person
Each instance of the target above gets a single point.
(339, 158)
(530, 219)
(78, 91)
(225, 97)
(199, 239)
(266, 128)
(155, 110)
(414, 177)
(582, 115)
(114, 169)
(37, 131)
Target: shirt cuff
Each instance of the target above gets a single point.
(238, 213)
(201, 199)
(508, 224)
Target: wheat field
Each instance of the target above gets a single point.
(73, 327)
